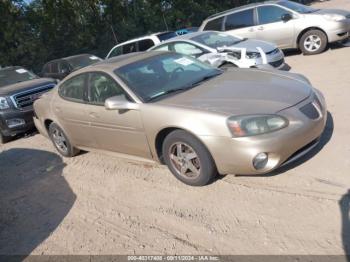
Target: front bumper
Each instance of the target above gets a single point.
(235, 155)
(339, 31)
(8, 117)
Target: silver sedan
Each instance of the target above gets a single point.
(222, 50)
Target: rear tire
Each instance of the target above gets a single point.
(61, 141)
(188, 159)
(313, 42)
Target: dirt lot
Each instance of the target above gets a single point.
(98, 204)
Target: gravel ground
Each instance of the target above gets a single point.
(99, 204)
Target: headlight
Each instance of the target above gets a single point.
(251, 55)
(251, 125)
(3, 103)
(334, 17)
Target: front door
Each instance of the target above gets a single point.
(241, 23)
(271, 28)
(117, 131)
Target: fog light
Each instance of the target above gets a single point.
(260, 161)
(15, 122)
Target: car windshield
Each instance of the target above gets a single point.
(83, 61)
(164, 74)
(9, 76)
(215, 40)
(302, 9)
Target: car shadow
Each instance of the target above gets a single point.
(344, 204)
(324, 139)
(34, 199)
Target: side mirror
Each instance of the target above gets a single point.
(120, 103)
(286, 17)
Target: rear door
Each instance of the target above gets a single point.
(241, 23)
(271, 28)
(70, 108)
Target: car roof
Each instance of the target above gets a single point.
(10, 68)
(119, 61)
(68, 58)
(243, 7)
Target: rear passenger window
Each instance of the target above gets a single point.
(145, 44)
(54, 67)
(270, 14)
(129, 48)
(240, 20)
(215, 25)
(74, 88)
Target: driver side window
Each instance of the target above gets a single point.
(270, 14)
(188, 49)
(102, 87)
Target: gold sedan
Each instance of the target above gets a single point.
(175, 110)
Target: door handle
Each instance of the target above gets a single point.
(57, 109)
(260, 28)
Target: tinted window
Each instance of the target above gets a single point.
(145, 44)
(54, 67)
(129, 48)
(215, 25)
(166, 36)
(187, 49)
(74, 88)
(240, 20)
(270, 14)
(83, 61)
(153, 77)
(103, 87)
(63, 67)
(9, 76)
(46, 68)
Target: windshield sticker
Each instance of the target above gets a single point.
(183, 61)
(21, 71)
(93, 57)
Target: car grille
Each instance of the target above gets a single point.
(312, 110)
(277, 63)
(27, 98)
(273, 52)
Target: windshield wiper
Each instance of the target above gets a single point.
(205, 78)
(167, 92)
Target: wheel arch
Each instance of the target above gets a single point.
(164, 132)
(308, 29)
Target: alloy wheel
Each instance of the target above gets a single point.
(185, 160)
(59, 140)
(312, 43)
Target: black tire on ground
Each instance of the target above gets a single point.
(70, 150)
(4, 139)
(313, 35)
(207, 168)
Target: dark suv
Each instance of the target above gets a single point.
(19, 88)
(62, 67)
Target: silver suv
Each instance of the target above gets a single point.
(287, 24)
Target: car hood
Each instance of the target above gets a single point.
(251, 45)
(333, 11)
(244, 91)
(24, 86)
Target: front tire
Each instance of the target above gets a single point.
(188, 159)
(313, 42)
(61, 141)
(4, 139)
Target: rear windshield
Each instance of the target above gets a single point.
(215, 40)
(9, 76)
(303, 9)
(83, 61)
(166, 36)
